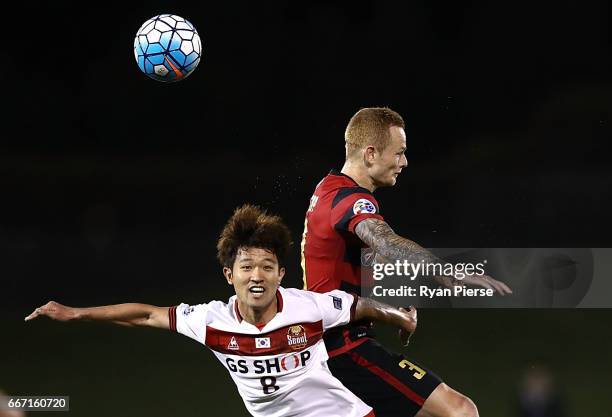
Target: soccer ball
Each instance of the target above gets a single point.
(167, 48)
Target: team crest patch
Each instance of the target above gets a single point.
(363, 205)
(296, 337)
(233, 344)
(337, 302)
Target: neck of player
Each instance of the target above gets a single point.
(257, 316)
(359, 175)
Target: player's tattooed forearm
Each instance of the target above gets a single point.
(378, 235)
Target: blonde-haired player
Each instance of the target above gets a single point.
(343, 218)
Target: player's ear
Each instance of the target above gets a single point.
(369, 154)
(228, 274)
(281, 274)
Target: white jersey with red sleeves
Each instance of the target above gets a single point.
(280, 369)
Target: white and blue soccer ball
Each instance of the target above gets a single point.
(167, 48)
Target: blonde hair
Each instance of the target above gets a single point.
(370, 126)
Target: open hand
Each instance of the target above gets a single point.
(485, 281)
(55, 311)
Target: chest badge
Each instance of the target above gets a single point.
(296, 337)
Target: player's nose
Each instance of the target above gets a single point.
(257, 275)
(403, 162)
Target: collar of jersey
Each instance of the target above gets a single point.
(340, 174)
(279, 306)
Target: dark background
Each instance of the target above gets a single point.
(114, 187)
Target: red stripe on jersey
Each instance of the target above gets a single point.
(388, 378)
(370, 414)
(172, 318)
(288, 339)
(237, 312)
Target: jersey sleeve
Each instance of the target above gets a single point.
(352, 205)
(189, 320)
(337, 308)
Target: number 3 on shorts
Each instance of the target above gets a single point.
(418, 372)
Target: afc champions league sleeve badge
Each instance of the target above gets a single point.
(296, 337)
(363, 205)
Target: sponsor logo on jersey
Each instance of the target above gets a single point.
(363, 205)
(233, 344)
(262, 342)
(296, 337)
(188, 310)
(294, 361)
(270, 366)
(337, 302)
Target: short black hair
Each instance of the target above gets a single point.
(252, 227)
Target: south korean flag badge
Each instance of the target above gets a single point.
(262, 342)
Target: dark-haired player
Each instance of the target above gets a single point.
(269, 338)
(343, 218)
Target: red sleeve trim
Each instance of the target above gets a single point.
(172, 318)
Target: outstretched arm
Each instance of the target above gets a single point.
(378, 235)
(406, 320)
(130, 314)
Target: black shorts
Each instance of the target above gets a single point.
(388, 382)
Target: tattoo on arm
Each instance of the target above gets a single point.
(378, 235)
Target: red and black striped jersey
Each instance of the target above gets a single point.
(331, 252)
